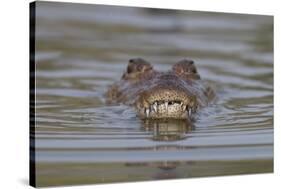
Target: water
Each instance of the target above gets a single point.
(82, 49)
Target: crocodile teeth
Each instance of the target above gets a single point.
(182, 106)
(147, 112)
(166, 105)
(189, 111)
(154, 106)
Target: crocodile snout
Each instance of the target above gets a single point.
(166, 99)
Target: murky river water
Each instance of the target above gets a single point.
(82, 49)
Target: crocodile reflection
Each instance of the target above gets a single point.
(166, 169)
(168, 130)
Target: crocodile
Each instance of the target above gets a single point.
(175, 94)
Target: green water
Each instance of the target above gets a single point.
(82, 49)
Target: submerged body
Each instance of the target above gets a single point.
(177, 93)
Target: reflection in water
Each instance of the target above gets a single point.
(168, 130)
(82, 49)
(167, 169)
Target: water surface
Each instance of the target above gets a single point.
(82, 49)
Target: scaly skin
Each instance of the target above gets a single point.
(177, 93)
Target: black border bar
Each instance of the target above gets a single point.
(32, 20)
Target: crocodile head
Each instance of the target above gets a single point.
(170, 94)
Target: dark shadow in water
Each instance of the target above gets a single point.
(166, 169)
(168, 130)
(165, 130)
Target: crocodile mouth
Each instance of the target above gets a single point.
(166, 103)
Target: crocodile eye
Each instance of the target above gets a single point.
(138, 65)
(185, 67)
(136, 68)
